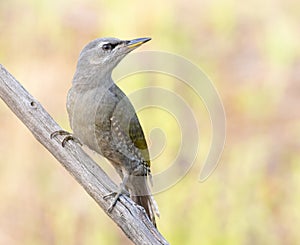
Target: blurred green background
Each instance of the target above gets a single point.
(251, 52)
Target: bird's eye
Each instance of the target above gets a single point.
(107, 47)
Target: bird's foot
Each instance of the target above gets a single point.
(68, 136)
(116, 194)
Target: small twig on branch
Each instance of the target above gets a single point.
(131, 218)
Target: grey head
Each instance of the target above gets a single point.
(101, 56)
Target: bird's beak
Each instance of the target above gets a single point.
(137, 42)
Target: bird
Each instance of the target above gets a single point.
(103, 118)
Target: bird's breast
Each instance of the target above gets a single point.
(83, 108)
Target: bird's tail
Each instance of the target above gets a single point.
(141, 194)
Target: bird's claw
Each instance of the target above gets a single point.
(117, 194)
(68, 136)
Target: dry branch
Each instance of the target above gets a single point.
(131, 218)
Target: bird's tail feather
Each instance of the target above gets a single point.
(141, 194)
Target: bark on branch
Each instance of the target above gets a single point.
(131, 218)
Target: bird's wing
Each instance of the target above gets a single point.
(137, 136)
(132, 128)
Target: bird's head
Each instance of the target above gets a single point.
(103, 54)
